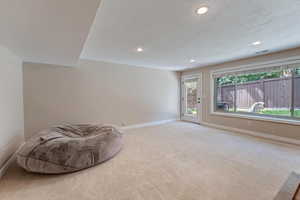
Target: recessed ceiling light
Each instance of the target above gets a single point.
(256, 43)
(192, 61)
(202, 10)
(139, 49)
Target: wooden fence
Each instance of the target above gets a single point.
(275, 93)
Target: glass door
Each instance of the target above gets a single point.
(191, 98)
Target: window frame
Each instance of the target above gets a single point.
(252, 116)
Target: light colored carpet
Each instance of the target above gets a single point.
(168, 162)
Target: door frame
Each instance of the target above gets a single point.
(198, 118)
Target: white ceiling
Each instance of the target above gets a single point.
(171, 33)
(47, 31)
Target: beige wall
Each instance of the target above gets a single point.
(11, 104)
(97, 92)
(278, 129)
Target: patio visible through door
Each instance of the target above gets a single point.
(191, 98)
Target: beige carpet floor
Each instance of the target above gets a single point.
(175, 161)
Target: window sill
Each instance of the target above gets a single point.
(260, 118)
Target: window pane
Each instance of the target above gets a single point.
(260, 93)
(267, 93)
(297, 94)
(225, 93)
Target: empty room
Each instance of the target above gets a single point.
(150, 100)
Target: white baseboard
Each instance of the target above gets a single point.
(255, 134)
(6, 165)
(148, 124)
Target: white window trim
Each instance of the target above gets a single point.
(273, 63)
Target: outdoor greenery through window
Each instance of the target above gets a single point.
(271, 92)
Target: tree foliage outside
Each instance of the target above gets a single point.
(231, 79)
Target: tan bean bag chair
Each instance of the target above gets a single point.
(69, 148)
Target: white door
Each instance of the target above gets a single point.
(191, 98)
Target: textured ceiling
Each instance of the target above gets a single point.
(47, 31)
(171, 33)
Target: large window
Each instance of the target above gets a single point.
(269, 91)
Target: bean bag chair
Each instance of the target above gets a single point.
(69, 148)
